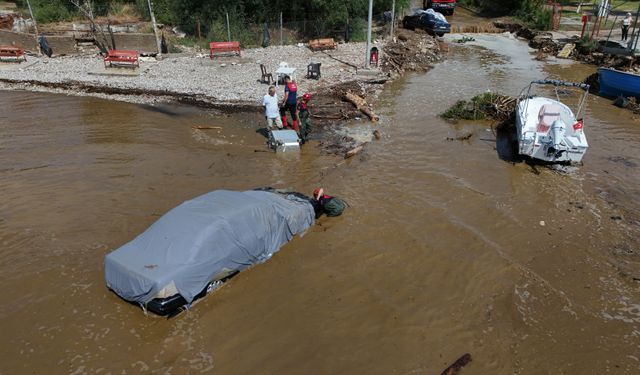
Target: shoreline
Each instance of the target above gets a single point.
(227, 84)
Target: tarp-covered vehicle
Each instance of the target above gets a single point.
(195, 247)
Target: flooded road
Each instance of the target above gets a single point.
(446, 248)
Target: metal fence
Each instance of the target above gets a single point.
(277, 32)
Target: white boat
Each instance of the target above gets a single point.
(549, 130)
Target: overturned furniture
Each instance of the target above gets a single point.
(313, 70)
(12, 54)
(284, 140)
(223, 47)
(197, 246)
(121, 58)
(266, 77)
(322, 44)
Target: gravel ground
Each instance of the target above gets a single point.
(224, 79)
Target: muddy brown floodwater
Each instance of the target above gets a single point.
(442, 251)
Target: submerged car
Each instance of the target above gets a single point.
(195, 247)
(428, 20)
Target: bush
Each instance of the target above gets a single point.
(46, 11)
(480, 107)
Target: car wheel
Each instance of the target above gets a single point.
(440, 34)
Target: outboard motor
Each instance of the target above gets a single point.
(557, 133)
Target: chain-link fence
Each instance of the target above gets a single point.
(275, 32)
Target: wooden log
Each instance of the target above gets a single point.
(455, 368)
(205, 127)
(354, 151)
(337, 117)
(361, 105)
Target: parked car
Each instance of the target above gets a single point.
(442, 6)
(429, 20)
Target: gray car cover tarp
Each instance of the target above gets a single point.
(202, 237)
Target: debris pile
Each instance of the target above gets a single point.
(482, 107)
(410, 51)
(629, 103)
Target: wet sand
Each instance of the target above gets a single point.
(441, 252)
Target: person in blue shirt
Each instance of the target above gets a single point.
(289, 102)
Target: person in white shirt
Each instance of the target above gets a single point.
(271, 109)
(626, 22)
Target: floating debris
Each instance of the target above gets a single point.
(465, 39)
(481, 107)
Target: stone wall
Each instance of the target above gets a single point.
(66, 44)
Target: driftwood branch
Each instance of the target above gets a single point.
(199, 127)
(337, 117)
(361, 105)
(354, 151)
(455, 368)
(87, 11)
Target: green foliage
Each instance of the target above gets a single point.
(237, 26)
(480, 107)
(48, 10)
(587, 45)
(322, 17)
(503, 7)
(161, 8)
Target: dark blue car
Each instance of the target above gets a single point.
(429, 22)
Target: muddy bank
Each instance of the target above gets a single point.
(547, 45)
(133, 95)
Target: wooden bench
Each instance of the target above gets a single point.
(122, 58)
(322, 44)
(12, 53)
(223, 47)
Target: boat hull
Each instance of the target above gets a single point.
(614, 83)
(538, 143)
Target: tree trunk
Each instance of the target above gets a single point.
(361, 105)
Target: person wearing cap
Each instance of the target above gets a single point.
(626, 22)
(326, 204)
(303, 116)
(290, 100)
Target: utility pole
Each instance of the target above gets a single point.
(393, 17)
(155, 27)
(228, 29)
(366, 60)
(35, 27)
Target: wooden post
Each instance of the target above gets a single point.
(155, 27)
(35, 28)
(634, 34)
(366, 57)
(393, 17)
(281, 41)
(198, 29)
(228, 29)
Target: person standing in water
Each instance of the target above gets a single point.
(303, 116)
(271, 111)
(290, 101)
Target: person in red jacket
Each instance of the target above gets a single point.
(290, 101)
